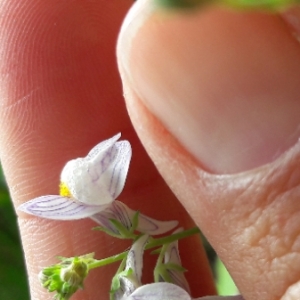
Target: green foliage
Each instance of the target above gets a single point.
(269, 5)
(272, 5)
(224, 282)
(13, 279)
(185, 4)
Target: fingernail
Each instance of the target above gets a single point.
(224, 84)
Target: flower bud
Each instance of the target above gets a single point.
(75, 273)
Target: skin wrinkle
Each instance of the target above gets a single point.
(267, 229)
(5, 105)
(269, 187)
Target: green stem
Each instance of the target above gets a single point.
(152, 244)
(108, 260)
(172, 238)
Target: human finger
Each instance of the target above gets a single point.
(214, 97)
(61, 95)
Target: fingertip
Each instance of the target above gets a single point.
(216, 79)
(59, 83)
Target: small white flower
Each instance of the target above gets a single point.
(129, 279)
(131, 287)
(88, 185)
(169, 291)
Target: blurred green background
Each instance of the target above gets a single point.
(13, 281)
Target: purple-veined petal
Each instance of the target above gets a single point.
(149, 225)
(100, 149)
(119, 168)
(99, 180)
(59, 208)
(117, 211)
(169, 291)
(121, 212)
(134, 261)
(135, 258)
(172, 256)
(159, 291)
(155, 227)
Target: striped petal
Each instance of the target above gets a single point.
(135, 258)
(100, 177)
(59, 208)
(119, 168)
(159, 291)
(121, 212)
(169, 291)
(154, 227)
(134, 262)
(98, 152)
(172, 256)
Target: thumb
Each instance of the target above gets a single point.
(214, 97)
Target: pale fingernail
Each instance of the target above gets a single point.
(225, 84)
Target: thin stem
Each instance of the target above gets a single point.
(108, 260)
(172, 238)
(154, 243)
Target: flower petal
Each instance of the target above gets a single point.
(100, 149)
(121, 212)
(134, 264)
(154, 227)
(135, 257)
(119, 167)
(59, 208)
(100, 177)
(172, 256)
(159, 291)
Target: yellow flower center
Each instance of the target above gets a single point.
(64, 190)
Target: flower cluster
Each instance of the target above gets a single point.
(66, 277)
(89, 188)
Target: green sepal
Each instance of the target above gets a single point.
(116, 284)
(124, 232)
(162, 272)
(116, 279)
(175, 267)
(135, 222)
(107, 231)
(156, 251)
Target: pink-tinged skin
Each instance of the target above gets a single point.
(215, 99)
(60, 95)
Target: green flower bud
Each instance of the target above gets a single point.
(67, 277)
(75, 273)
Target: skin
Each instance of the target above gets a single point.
(61, 94)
